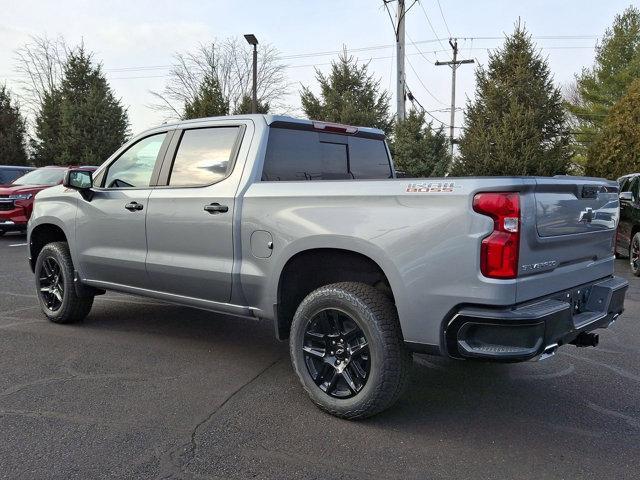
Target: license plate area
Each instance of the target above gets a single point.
(577, 298)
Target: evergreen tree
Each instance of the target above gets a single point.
(516, 123)
(616, 149)
(244, 106)
(617, 64)
(81, 121)
(46, 146)
(208, 102)
(349, 94)
(12, 131)
(418, 150)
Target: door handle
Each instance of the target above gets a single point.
(133, 206)
(216, 208)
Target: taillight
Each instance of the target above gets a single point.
(499, 251)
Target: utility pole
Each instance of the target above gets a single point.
(454, 64)
(400, 88)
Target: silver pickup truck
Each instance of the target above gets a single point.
(305, 224)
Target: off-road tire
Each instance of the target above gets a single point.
(376, 315)
(73, 308)
(634, 249)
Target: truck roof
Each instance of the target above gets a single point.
(271, 119)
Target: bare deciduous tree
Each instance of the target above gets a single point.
(230, 62)
(39, 64)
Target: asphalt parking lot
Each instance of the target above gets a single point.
(142, 389)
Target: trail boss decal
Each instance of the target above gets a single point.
(432, 187)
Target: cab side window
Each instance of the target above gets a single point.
(135, 166)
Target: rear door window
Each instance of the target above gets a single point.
(310, 155)
(204, 156)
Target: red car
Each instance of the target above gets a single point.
(16, 199)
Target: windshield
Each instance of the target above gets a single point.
(41, 176)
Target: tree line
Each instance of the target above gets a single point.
(517, 123)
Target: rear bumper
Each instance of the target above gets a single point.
(526, 331)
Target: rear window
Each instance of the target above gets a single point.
(309, 155)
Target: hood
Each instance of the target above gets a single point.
(7, 190)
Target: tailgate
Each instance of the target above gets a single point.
(565, 207)
(567, 234)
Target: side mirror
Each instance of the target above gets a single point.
(81, 180)
(626, 197)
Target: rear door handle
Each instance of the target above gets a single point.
(214, 208)
(133, 206)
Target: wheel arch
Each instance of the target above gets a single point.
(312, 264)
(41, 235)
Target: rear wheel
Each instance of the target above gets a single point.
(347, 350)
(54, 285)
(2, 232)
(634, 255)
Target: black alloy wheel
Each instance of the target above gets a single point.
(51, 284)
(336, 353)
(347, 349)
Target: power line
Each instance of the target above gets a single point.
(414, 101)
(166, 67)
(376, 47)
(430, 25)
(443, 19)
(419, 51)
(380, 47)
(423, 85)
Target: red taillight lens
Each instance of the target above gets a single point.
(499, 251)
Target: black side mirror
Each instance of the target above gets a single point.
(626, 197)
(81, 180)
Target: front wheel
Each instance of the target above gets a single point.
(347, 350)
(634, 255)
(54, 285)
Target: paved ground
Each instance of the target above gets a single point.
(147, 390)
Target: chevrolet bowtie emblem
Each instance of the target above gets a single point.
(586, 215)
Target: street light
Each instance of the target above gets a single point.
(252, 40)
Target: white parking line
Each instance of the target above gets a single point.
(18, 245)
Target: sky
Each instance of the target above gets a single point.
(136, 39)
